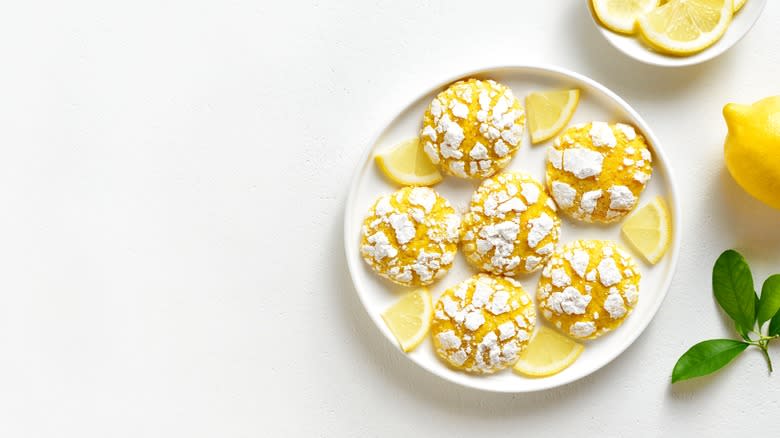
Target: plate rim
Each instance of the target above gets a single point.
(709, 53)
(540, 68)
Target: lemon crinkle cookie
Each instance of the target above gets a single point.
(473, 128)
(511, 227)
(410, 237)
(596, 171)
(482, 324)
(588, 287)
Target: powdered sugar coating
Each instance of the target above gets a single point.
(482, 324)
(410, 237)
(508, 223)
(588, 287)
(473, 128)
(596, 171)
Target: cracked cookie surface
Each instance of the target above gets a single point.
(511, 227)
(482, 324)
(473, 128)
(588, 288)
(411, 236)
(596, 171)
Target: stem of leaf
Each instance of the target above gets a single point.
(762, 344)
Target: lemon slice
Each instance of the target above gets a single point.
(620, 15)
(548, 353)
(649, 230)
(410, 318)
(408, 165)
(683, 27)
(549, 111)
(738, 4)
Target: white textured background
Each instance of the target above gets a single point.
(172, 181)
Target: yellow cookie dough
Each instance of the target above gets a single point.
(596, 171)
(481, 325)
(588, 287)
(411, 236)
(473, 128)
(511, 227)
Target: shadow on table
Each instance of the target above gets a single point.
(704, 388)
(755, 226)
(629, 77)
(707, 387)
(389, 365)
(755, 231)
(435, 393)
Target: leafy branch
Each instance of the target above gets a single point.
(732, 285)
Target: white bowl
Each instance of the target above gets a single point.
(741, 24)
(596, 103)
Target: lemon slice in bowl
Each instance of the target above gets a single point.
(649, 230)
(408, 165)
(549, 112)
(738, 5)
(410, 318)
(620, 15)
(548, 353)
(684, 27)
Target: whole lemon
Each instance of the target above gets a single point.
(752, 148)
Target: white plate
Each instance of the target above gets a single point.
(596, 103)
(740, 25)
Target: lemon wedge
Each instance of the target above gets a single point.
(738, 4)
(549, 111)
(620, 15)
(683, 27)
(548, 353)
(649, 230)
(410, 318)
(408, 165)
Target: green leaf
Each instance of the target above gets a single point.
(706, 357)
(770, 299)
(732, 284)
(774, 325)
